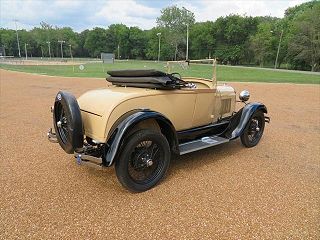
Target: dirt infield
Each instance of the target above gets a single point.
(271, 191)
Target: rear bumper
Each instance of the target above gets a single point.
(52, 137)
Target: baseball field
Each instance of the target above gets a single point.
(99, 70)
(270, 191)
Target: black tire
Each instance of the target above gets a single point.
(145, 153)
(254, 130)
(67, 122)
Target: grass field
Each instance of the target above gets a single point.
(224, 73)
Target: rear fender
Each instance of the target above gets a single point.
(128, 122)
(239, 121)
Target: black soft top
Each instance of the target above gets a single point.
(145, 78)
(136, 73)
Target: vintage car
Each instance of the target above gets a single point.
(145, 116)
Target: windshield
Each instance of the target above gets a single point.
(203, 68)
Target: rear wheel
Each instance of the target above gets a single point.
(144, 160)
(254, 130)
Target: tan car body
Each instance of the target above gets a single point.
(186, 108)
(145, 116)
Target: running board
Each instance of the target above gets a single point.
(202, 143)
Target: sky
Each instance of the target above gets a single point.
(86, 14)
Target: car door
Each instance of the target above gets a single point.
(203, 111)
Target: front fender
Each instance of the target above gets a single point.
(127, 123)
(241, 119)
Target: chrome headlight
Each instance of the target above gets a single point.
(244, 95)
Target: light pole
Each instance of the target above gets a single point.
(276, 62)
(61, 42)
(15, 21)
(118, 51)
(4, 50)
(25, 50)
(70, 52)
(71, 56)
(41, 52)
(159, 36)
(187, 53)
(49, 49)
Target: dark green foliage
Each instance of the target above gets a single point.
(234, 39)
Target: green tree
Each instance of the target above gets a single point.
(232, 36)
(81, 51)
(304, 45)
(96, 42)
(262, 43)
(117, 35)
(167, 49)
(202, 40)
(9, 42)
(137, 43)
(176, 20)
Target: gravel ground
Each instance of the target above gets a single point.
(271, 191)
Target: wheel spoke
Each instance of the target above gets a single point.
(139, 167)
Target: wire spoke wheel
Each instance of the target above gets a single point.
(62, 124)
(67, 122)
(254, 130)
(144, 160)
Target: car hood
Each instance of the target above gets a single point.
(103, 101)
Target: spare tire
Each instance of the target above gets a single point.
(67, 122)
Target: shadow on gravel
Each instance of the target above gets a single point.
(207, 156)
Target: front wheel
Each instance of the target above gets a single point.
(144, 160)
(254, 130)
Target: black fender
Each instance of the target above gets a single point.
(126, 123)
(239, 121)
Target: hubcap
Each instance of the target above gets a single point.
(149, 162)
(145, 161)
(254, 129)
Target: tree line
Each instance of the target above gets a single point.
(233, 39)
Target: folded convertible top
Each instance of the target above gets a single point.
(149, 78)
(136, 73)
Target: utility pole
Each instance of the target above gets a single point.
(118, 51)
(71, 52)
(4, 50)
(159, 36)
(49, 50)
(71, 56)
(41, 51)
(15, 21)
(25, 50)
(187, 53)
(276, 62)
(61, 42)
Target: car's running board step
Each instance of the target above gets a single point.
(202, 143)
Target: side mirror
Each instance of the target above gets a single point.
(244, 96)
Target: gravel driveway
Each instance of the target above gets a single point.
(271, 191)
